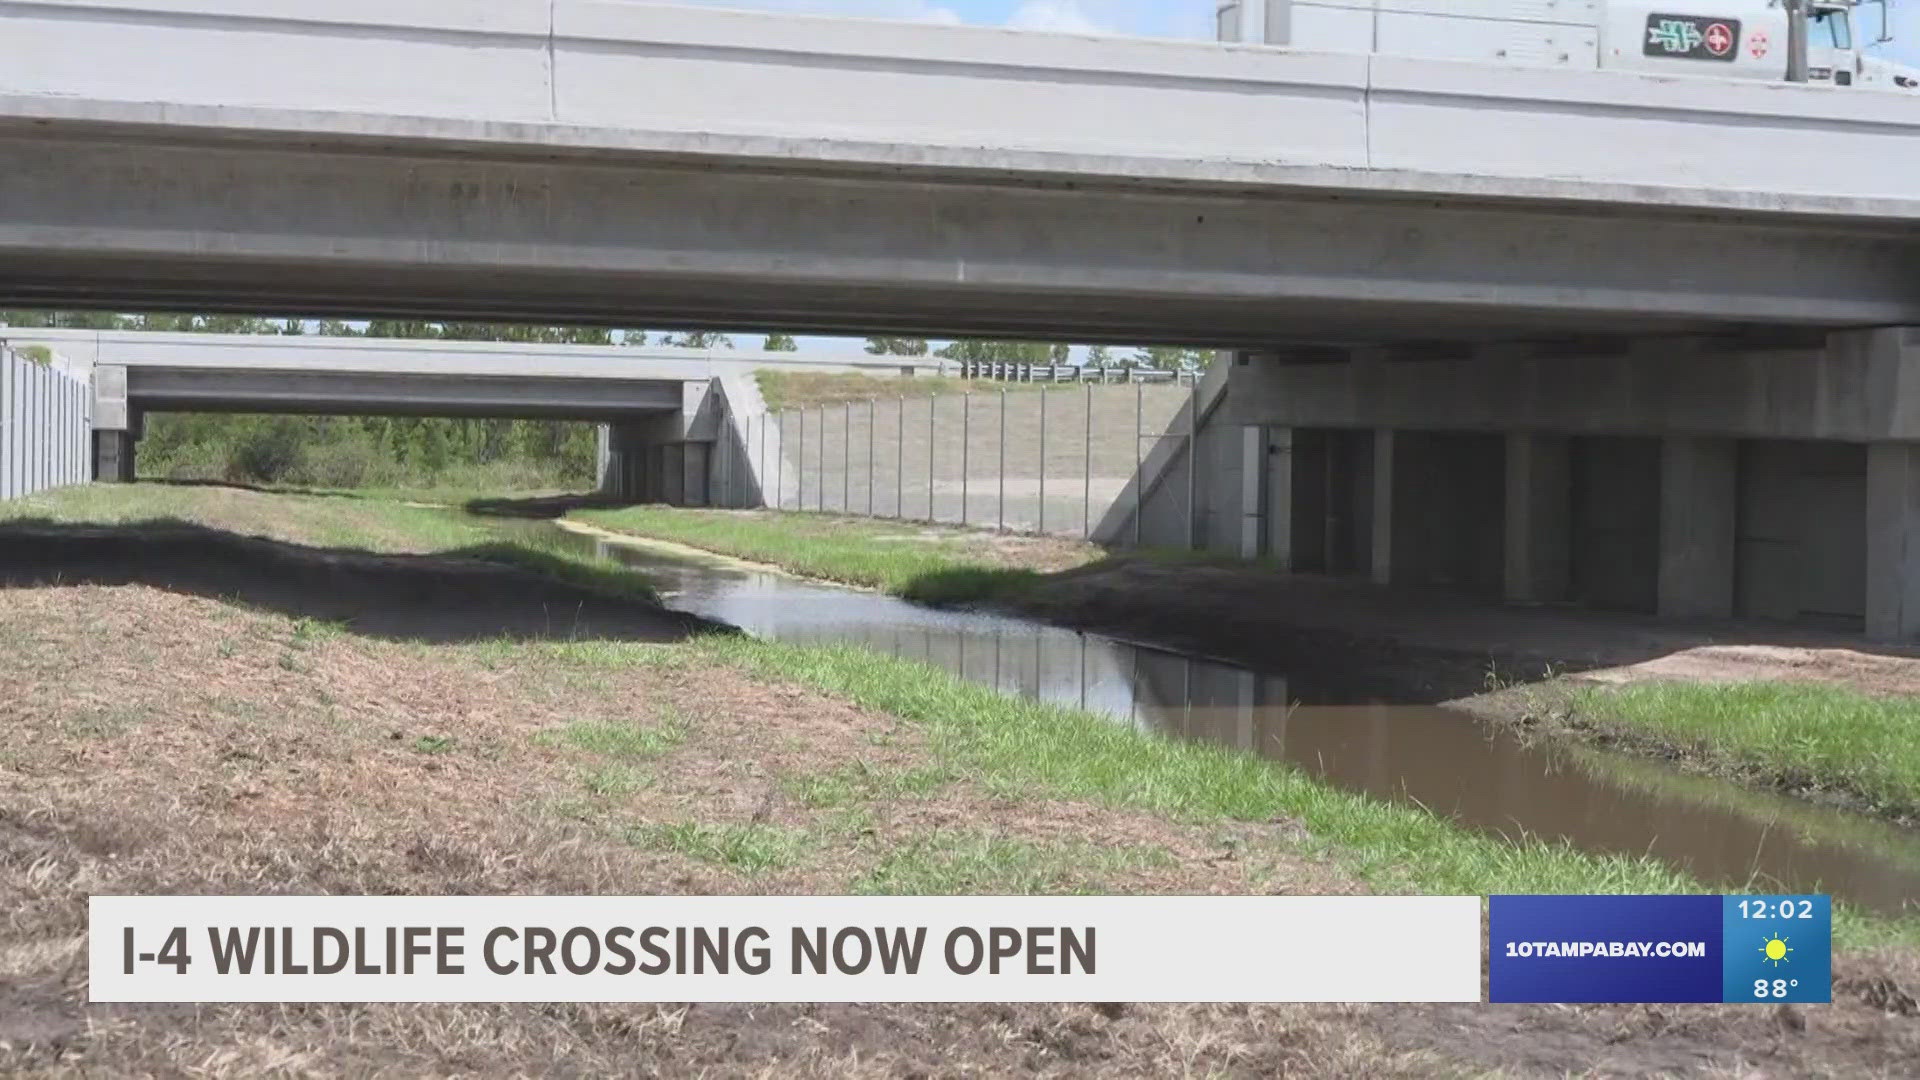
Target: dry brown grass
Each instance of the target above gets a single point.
(155, 742)
(159, 743)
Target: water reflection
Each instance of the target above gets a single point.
(1442, 759)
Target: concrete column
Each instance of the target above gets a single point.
(1382, 562)
(1255, 511)
(693, 474)
(620, 446)
(605, 475)
(113, 453)
(1697, 498)
(1539, 509)
(1893, 541)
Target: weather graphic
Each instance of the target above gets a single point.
(1779, 948)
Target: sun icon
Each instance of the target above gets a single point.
(1776, 949)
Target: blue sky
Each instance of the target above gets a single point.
(1903, 20)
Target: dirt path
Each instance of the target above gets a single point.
(1342, 636)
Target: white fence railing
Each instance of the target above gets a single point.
(45, 424)
(1017, 371)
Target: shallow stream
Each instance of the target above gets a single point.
(1442, 759)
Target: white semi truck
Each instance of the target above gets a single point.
(1740, 39)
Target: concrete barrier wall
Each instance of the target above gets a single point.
(912, 94)
(1030, 458)
(45, 424)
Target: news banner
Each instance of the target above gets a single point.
(1758, 949)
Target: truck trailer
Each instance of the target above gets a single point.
(1736, 39)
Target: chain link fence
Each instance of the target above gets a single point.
(1030, 458)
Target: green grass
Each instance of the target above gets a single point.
(343, 522)
(614, 778)
(752, 848)
(1041, 750)
(1048, 750)
(619, 739)
(858, 781)
(805, 389)
(1795, 735)
(875, 555)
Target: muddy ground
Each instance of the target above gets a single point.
(1340, 640)
(204, 733)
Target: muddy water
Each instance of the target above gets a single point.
(1442, 759)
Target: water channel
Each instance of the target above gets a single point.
(1445, 760)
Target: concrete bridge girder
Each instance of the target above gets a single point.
(851, 253)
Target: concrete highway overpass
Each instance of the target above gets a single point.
(666, 411)
(1628, 340)
(600, 160)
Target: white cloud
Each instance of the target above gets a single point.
(1063, 16)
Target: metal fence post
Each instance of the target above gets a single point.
(800, 467)
(870, 430)
(1193, 466)
(6, 422)
(966, 450)
(1139, 481)
(900, 464)
(846, 460)
(933, 401)
(1043, 457)
(1001, 523)
(38, 403)
(1086, 487)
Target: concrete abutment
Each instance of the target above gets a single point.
(113, 457)
(695, 456)
(1693, 479)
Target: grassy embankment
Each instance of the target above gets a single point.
(806, 389)
(1007, 745)
(331, 760)
(1798, 737)
(340, 520)
(928, 563)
